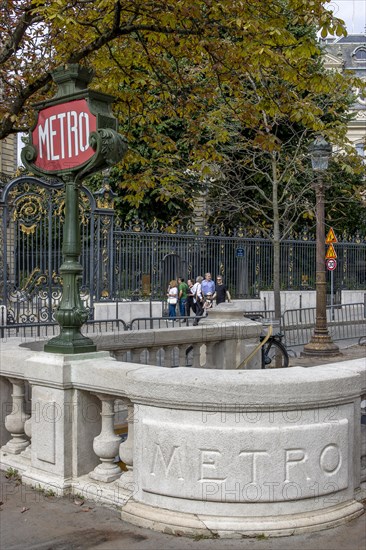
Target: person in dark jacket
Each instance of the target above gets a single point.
(221, 292)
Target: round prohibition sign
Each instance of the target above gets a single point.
(331, 264)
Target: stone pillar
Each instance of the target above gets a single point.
(5, 408)
(64, 423)
(27, 453)
(136, 353)
(210, 354)
(239, 337)
(196, 356)
(121, 355)
(182, 356)
(126, 451)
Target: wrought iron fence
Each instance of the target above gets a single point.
(145, 259)
(138, 261)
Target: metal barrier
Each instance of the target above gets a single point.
(345, 322)
(45, 330)
(144, 323)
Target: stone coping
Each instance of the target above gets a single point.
(189, 388)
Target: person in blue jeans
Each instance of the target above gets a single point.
(182, 295)
(172, 298)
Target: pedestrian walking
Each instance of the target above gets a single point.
(190, 305)
(182, 295)
(172, 298)
(197, 299)
(221, 292)
(208, 285)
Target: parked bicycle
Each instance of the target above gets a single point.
(274, 353)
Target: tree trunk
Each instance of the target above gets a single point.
(276, 242)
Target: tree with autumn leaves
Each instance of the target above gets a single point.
(167, 61)
(190, 77)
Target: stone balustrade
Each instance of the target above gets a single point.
(213, 452)
(220, 341)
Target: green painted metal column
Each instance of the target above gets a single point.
(75, 136)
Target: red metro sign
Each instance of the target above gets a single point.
(61, 136)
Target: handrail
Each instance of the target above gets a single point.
(257, 348)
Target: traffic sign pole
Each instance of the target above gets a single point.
(331, 265)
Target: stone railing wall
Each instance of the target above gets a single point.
(208, 452)
(221, 341)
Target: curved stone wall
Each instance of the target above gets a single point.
(227, 453)
(244, 453)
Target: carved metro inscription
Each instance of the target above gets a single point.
(289, 463)
(168, 464)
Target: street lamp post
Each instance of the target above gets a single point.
(75, 135)
(321, 344)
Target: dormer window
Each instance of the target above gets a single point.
(360, 54)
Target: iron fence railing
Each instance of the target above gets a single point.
(345, 322)
(144, 263)
(138, 261)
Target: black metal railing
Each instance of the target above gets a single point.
(137, 261)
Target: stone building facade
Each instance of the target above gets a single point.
(348, 53)
(8, 155)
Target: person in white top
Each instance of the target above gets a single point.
(172, 298)
(197, 298)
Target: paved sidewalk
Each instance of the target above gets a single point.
(30, 520)
(348, 352)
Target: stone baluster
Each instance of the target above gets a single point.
(153, 356)
(126, 450)
(182, 355)
(15, 421)
(106, 444)
(136, 355)
(196, 356)
(121, 355)
(168, 356)
(210, 355)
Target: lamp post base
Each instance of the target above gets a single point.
(70, 342)
(321, 345)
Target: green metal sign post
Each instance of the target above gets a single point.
(75, 136)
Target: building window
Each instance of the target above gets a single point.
(360, 54)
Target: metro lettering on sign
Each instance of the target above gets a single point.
(61, 136)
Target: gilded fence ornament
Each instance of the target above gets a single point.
(105, 197)
(28, 211)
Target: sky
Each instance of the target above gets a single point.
(353, 13)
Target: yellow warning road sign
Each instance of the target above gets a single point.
(331, 238)
(331, 253)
